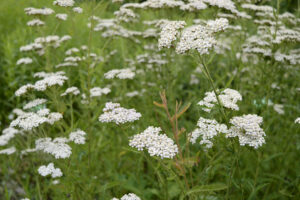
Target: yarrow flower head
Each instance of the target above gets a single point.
(8, 151)
(30, 120)
(156, 144)
(38, 11)
(126, 15)
(24, 61)
(50, 170)
(227, 97)
(297, 121)
(57, 147)
(247, 129)
(7, 135)
(61, 16)
(35, 22)
(207, 130)
(49, 79)
(34, 103)
(98, 92)
(126, 73)
(129, 196)
(78, 136)
(71, 90)
(113, 112)
(218, 25)
(169, 32)
(77, 10)
(199, 37)
(64, 3)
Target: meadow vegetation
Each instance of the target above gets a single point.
(156, 99)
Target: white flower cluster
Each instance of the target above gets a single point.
(39, 43)
(56, 147)
(126, 15)
(34, 103)
(247, 129)
(279, 108)
(30, 120)
(8, 151)
(129, 196)
(117, 1)
(156, 4)
(77, 136)
(114, 113)
(261, 8)
(199, 37)
(227, 97)
(225, 4)
(61, 16)
(207, 129)
(126, 73)
(194, 5)
(50, 170)
(169, 32)
(111, 27)
(35, 22)
(71, 90)
(217, 25)
(7, 135)
(297, 121)
(64, 3)
(49, 79)
(156, 144)
(38, 11)
(24, 61)
(98, 92)
(72, 50)
(292, 58)
(77, 9)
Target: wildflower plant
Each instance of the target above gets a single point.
(155, 99)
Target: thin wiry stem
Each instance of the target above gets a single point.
(221, 108)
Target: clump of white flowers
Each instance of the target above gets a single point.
(156, 144)
(30, 120)
(129, 196)
(35, 22)
(61, 16)
(113, 112)
(169, 32)
(207, 129)
(126, 73)
(56, 147)
(7, 135)
(194, 5)
(126, 15)
(24, 61)
(297, 121)
(217, 25)
(8, 151)
(77, 9)
(50, 170)
(49, 79)
(199, 37)
(71, 90)
(98, 92)
(77, 136)
(64, 3)
(227, 97)
(34, 103)
(38, 11)
(247, 129)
